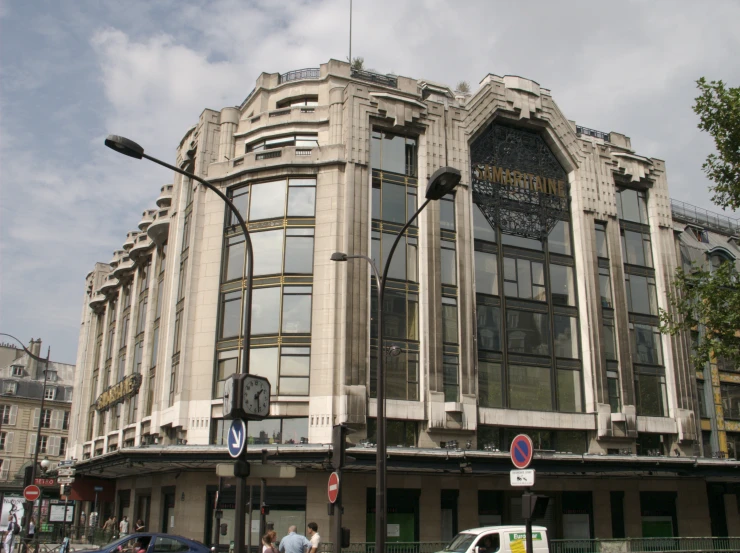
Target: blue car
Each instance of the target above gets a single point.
(147, 542)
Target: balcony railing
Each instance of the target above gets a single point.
(591, 132)
(377, 78)
(688, 213)
(300, 75)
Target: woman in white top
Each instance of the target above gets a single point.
(267, 545)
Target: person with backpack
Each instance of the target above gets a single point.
(13, 530)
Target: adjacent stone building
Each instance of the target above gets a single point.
(21, 390)
(527, 301)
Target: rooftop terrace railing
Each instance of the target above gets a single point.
(377, 78)
(688, 213)
(300, 74)
(591, 132)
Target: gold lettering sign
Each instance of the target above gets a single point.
(115, 394)
(510, 177)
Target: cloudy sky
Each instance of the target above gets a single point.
(73, 72)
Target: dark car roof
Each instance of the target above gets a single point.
(153, 535)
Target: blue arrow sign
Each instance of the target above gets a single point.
(237, 437)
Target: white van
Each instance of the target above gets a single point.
(498, 539)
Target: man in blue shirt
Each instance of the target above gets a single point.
(294, 543)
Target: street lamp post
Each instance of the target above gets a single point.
(442, 182)
(132, 149)
(28, 510)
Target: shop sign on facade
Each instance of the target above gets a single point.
(115, 394)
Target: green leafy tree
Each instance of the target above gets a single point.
(358, 64)
(709, 302)
(718, 108)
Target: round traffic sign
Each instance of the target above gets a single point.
(237, 437)
(333, 489)
(521, 451)
(31, 493)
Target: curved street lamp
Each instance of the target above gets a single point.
(130, 148)
(38, 429)
(442, 182)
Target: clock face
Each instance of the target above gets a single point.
(256, 399)
(228, 396)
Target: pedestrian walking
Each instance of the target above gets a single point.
(267, 544)
(293, 542)
(312, 531)
(13, 530)
(123, 527)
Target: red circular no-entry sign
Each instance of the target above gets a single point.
(333, 489)
(31, 493)
(521, 451)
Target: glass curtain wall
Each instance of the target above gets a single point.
(281, 218)
(642, 303)
(394, 201)
(529, 356)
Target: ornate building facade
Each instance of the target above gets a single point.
(527, 301)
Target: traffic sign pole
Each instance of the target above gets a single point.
(521, 452)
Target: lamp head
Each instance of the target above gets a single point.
(442, 182)
(124, 146)
(45, 464)
(339, 256)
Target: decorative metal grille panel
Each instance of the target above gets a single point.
(517, 182)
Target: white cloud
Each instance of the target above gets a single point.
(146, 71)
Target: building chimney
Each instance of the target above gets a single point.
(33, 366)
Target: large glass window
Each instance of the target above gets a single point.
(267, 431)
(307, 140)
(302, 198)
(701, 394)
(449, 320)
(234, 258)
(299, 251)
(295, 365)
(558, 241)
(268, 252)
(490, 389)
(447, 212)
(566, 336)
(605, 287)
(632, 205)
(228, 364)
(610, 340)
(450, 378)
(489, 327)
(601, 247)
(448, 263)
(400, 315)
(636, 247)
(651, 395)
(482, 229)
(527, 332)
(615, 394)
(530, 388)
(641, 294)
(563, 286)
(265, 310)
(268, 200)
(569, 391)
(730, 394)
(398, 433)
(296, 310)
(486, 273)
(646, 344)
(524, 279)
(521, 242)
(393, 153)
(231, 314)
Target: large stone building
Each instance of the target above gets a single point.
(527, 301)
(21, 390)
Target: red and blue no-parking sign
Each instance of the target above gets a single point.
(521, 451)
